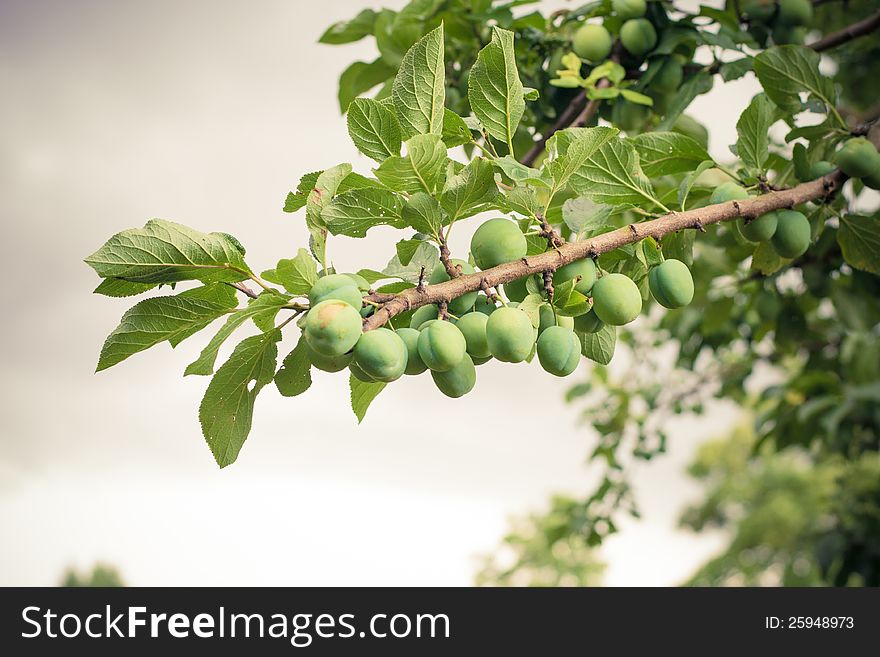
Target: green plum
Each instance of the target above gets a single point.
(616, 299)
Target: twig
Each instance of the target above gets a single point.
(420, 286)
(848, 33)
(244, 289)
(548, 283)
(572, 251)
(554, 239)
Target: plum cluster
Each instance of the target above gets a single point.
(858, 158)
(473, 329)
(637, 34)
(787, 231)
(786, 20)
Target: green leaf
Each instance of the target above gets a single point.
(859, 239)
(373, 128)
(662, 153)
(524, 200)
(358, 210)
(613, 175)
(360, 77)
(419, 89)
(581, 215)
(425, 256)
(786, 71)
(679, 246)
(406, 249)
(266, 302)
(423, 212)
(599, 346)
(422, 169)
(297, 200)
(295, 375)
(297, 275)
(319, 197)
(152, 321)
(521, 173)
(116, 287)
(766, 261)
(694, 86)
(165, 252)
(572, 149)
(635, 97)
(362, 395)
(227, 409)
(736, 69)
(753, 129)
(455, 130)
(494, 88)
(349, 31)
(684, 189)
(470, 192)
(371, 275)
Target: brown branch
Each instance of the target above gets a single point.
(572, 251)
(454, 271)
(848, 33)
(575, 106)
(554, 239)
(244, 289)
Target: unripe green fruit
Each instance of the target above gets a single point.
(728, 191)
(496, 241)
(414, 362)
(361, 282)
(484, 305)
(550, 318)
(456, 381)
(669, 76)
(381, 354)
(422, 315)
(510, 335)
(473, 328)
(793, 234)
(463, 303)
(332, 327)
(795, 12)
(638, 36)
(559, 350)
(328, 363)
(516, 290)
(592, 42)
(785, 35)
(820, 168)
(629, 117)
(671, 284)
(480, 361)
(687, 125)
(441, 346)
(359, 374)
(759, 11)
(616, 299)
(588, 323)
(858, 158)
(585, 269)
(627, 9)
(760, 229)
(872, 181)
(336, 286)
(768, 306)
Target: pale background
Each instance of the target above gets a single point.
(207, 113)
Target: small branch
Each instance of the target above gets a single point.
(568, 116)
(488, 291)
(548, 284)
(443, 310)
(554, 239)
(454, 271)
(244, 289)
(572, 251)
(420, 286)
(848, 33)
(592, 107)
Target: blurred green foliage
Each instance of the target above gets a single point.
(101, 575)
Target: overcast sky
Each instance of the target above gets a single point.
(207, 113)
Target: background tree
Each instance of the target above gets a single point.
(605, 226)
(101, 575)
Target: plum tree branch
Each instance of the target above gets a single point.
(848, 33)
(550, 260)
